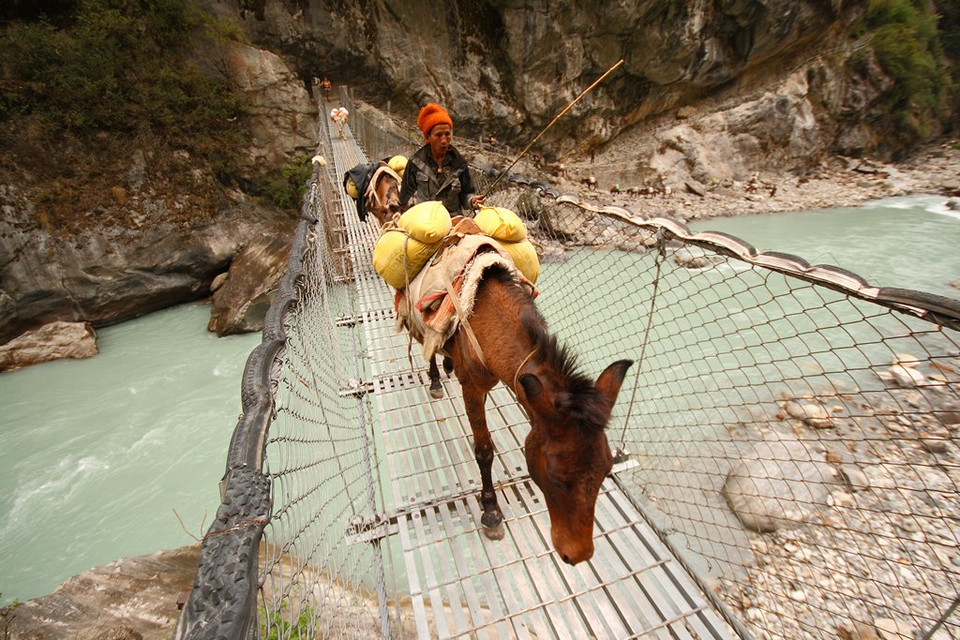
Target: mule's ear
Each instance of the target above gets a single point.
(608, 384)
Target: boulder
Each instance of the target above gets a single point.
(695, 188)
(242, 301)
(694, 258)
(950, 187)
(52, 341)
(811, 413)
(778, 484)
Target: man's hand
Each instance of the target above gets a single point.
(476, 201)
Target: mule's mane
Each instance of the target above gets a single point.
(578, 395)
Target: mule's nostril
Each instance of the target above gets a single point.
(567, 559)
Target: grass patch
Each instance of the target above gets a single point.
(277, 627)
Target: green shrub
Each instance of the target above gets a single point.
(905, 39)
(286, 190)
(116, 66)
(275, 627)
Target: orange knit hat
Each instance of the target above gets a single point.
(430, 116)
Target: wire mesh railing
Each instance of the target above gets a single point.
(795, 429)
(379, 135)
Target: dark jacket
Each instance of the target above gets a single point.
(453, 185)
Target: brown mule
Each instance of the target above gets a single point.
(567, 451)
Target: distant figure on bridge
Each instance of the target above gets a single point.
(437, 171)
(327, 87)
(339, 116)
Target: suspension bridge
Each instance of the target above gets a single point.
(460, 582)
(350, 499)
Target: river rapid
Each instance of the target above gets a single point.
(99, 457)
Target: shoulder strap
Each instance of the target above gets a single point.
(446, 183)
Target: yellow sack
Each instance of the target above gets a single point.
(427, 222)
(388, 257)
(501, 224)
(352, 189)
(398, 164)
(525, 258)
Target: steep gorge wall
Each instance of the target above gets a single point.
(167, 226)
(506, 67)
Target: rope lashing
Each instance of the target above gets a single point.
(244, 524)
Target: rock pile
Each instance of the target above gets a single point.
(868, 548)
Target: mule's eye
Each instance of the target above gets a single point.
(563, 486)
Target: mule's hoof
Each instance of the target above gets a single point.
(495, 533)
(491, 518)
(436, 392)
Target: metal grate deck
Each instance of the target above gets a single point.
(462, 584)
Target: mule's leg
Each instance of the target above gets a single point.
(492, 519)
(436, 389)
(448, 365)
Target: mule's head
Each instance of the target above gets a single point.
(567, 451)
(384, 203)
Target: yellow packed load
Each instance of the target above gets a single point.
(525, 258)
(388, 257)
(398, 164)
(352, 189)
(501, 224)
(422, 227)
(427, 222)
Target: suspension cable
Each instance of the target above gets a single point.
(929, 634)
(661, 256)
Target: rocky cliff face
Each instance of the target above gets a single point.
(507, 67)
(168, 227)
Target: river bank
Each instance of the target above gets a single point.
(130, 599)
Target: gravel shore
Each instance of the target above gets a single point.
(838, 182)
